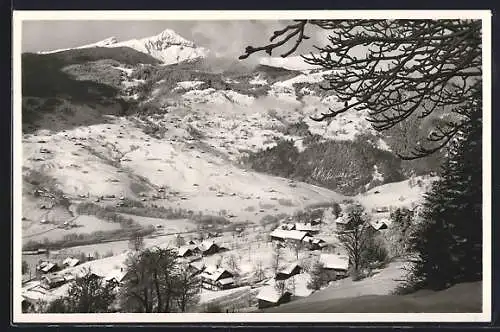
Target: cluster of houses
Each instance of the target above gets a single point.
(205, 248)
(334, 266)
(298, 234)
(342, 223)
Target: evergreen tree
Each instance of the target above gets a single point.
(448, 243)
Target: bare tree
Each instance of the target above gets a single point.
(88, 294)
(153, 281)
(405, 68)
(188, 288)
(276, 259)
(259, 271)
(136, 242)
(356, 238)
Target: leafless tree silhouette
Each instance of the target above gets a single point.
(396, 68)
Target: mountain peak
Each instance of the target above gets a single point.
(169, 37)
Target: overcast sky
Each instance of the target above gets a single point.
(226, 37)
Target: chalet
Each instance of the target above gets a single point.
(288, 236)
(341, 223)
(310, 228)
(216, 278)
(288, 272)
(196, 267)
(70, 262)
(52, 281)
(185, 251)
(380, 224)
(288, 226)
(313, 243)
(208, 247)
(47, 267)
(117, 276)
(270, 297)
(336, 265)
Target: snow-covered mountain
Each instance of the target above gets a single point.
(102, 43)
(167, 46)
(170, 48)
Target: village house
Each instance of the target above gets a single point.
(196, 267)
(270, 297)
(208, 247)
(185, 251)
(293, 236)
(341, 223)
(313, 243)
(335, 265)
(117, 276)
(70, 262)
(309, 227)
(287, 272)
(216, 278)
(380, 224)
(52, 281)
(47, 267)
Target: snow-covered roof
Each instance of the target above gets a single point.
(205, 245)
(117, 275)
(226, 281)
(285, 234)
(304, 227)
(199, 265)
(307, 238)
(289, 268)
(334, 261)
(377, 224)
(269, 294)
(214, 275)
(183, 250)
(48, 266)
(342, 220)
(70, 261)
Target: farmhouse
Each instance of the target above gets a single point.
(313, 243)
(306, 228)
(70, 262)
(380, 224)
(46, 267)
(270, 297)
(196, 267)
(288, 236)
(185, 251)
(216, 278)
(341, 223)
(208, 247)
(336, 265)
(117, 276)
(288, 272)
(52, 281)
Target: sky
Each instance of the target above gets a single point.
(225, 37)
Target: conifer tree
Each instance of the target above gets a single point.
(448, 243)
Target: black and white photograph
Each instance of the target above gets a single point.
(227, 166)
